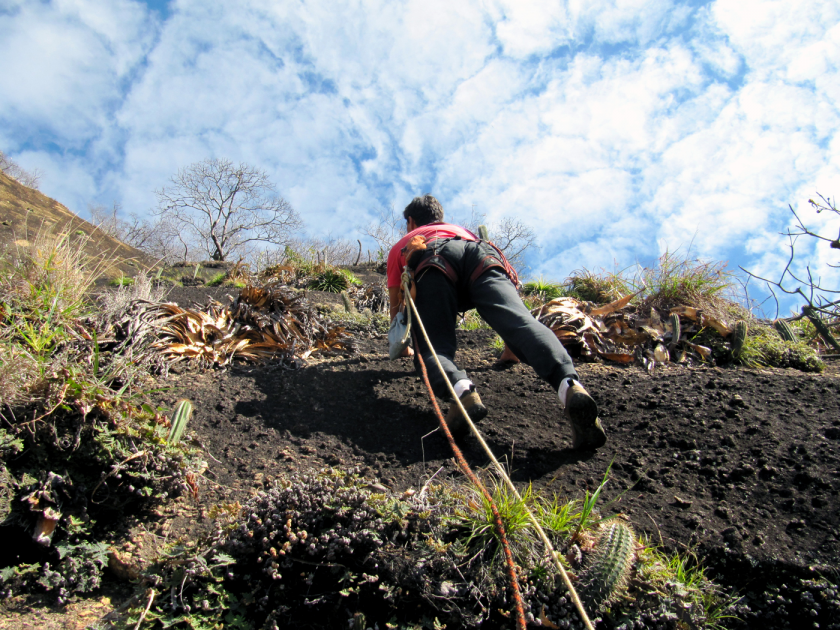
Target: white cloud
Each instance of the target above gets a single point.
(69, 59)
(615, 127)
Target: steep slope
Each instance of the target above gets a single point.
(25, 211)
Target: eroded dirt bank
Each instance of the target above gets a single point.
(741, 465)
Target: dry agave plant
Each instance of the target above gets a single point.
(623, 333)
(370, 296)
(262, 323)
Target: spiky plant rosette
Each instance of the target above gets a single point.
(267, 322)
(331, 281)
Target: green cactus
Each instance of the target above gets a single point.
(785, 331)
(180, 417)
(612, 561)
(739, 336)
(677, 331)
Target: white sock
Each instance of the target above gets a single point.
(564, 387)
(462, 386)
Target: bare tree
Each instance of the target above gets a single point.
(223, 208)
(511, 235)
(12, 169)
(386, 229)
(106, 220)
(325, 250)
(160, 238)
(821, 306)
(514, 238)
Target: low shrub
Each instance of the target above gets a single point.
(341, 549)
(361, 323)
(763, 347)
(80, 445)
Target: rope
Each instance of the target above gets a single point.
(497, 517)
(499, 469)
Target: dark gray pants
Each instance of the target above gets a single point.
(495, 298)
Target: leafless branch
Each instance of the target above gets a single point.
(386, 229)
(12, 169)
(222, 208)
(810, 287)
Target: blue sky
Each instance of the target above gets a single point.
(617, 129)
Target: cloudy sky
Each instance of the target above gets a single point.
(616, 128)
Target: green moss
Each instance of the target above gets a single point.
(764, 347)
(217, 280)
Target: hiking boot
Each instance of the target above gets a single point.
(582, 413)
(475, 409)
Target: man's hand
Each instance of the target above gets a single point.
(508, 356)
(408, 352)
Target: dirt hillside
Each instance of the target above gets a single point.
(742, 466)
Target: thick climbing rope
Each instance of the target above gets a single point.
(497, 517)
(459, 457)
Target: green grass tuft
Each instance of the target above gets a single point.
(497, 344)
(543, 289)
(599, 288)
(471, 320)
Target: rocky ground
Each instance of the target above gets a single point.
(741, 466)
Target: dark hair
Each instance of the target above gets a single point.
(424, 210)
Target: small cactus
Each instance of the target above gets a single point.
(739, 336)
(612, 561)
(784, 329)
(676, 330)
(180, 417)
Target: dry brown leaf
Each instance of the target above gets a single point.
(618, 357)
(687, 311)
(612, 306)
(703, 351)
(546, 622)
(722, 327)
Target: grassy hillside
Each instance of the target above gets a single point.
(25, 211)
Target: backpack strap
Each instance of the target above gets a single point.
(497, 259)
(436, 261)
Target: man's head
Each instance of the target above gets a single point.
(424, 210)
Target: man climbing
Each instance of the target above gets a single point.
(453, 272)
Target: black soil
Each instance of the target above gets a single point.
(742, 466)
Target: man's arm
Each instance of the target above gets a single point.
(394, 297)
